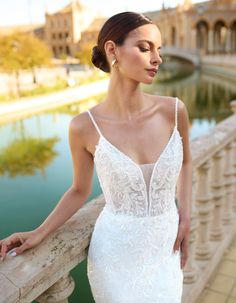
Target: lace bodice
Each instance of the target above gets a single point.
(122, 180)
(147, 169)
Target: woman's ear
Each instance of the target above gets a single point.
(110, 49)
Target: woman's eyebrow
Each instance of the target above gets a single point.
(149, 42)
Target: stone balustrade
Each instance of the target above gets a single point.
(42, 273)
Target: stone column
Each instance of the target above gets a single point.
(228, 41)
(204, 207)
(218, 189)
(58, 292)
(190, 269)
(229, 184)
(194, 38)
(210, 41)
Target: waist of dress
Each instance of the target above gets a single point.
(172, 211)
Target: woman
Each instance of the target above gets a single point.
(140, 145)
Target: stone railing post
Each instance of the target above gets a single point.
(234, 167)
(233, 106)
(229, 184)
(58, 292)
(218, 189)
(204, 207)
(190, 269)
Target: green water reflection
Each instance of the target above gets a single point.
(35, 161)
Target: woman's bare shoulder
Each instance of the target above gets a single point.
(81, 126)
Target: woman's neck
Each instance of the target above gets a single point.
(124, 98)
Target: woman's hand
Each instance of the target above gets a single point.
(20, 242)
(182, 240)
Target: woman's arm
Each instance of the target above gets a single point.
(77, 194)
(184, 187)
(184, 183)
(70, 202)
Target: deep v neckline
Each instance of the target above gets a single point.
(101, 137)
(135, 164)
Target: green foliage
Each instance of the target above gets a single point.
(25, 156)
(84, 55)
(63, 56)
(20, 51)
(41, 90)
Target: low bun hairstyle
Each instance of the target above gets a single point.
(99, 59)
(116, 29)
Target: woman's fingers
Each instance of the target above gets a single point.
(184, 251)
(19, 242)
(22, 248)
(9, 243)
(179, 238)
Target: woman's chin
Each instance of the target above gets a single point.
(148, 81)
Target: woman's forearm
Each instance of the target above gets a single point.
(68, 205)
(184, 191)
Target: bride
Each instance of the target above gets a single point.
(140, 146)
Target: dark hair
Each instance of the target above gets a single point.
(116, 28)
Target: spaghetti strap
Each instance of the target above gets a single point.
(176, 111)
(94, 123)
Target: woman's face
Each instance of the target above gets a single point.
(139, 57)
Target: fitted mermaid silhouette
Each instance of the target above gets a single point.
(130, 257)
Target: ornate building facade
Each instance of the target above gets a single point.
(207, 26)
(63, 28)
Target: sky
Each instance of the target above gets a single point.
(16, 12)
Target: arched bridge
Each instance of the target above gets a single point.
(192, 55)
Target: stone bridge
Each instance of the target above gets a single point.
(192, 55)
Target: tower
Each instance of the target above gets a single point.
(187, 4)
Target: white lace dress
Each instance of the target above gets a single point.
(130, 257)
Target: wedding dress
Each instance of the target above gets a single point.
(130, 256)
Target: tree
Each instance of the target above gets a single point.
(35, 52)
(84, 54)
(20, 51)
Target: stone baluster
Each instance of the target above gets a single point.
(218, 190)
(229, 184)
(234, 167)
(58, 292)
(204, 207)
(233, 108)
(190, 269)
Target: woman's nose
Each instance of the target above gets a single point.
(157, 59)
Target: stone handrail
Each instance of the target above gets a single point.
(223, 60)
(190, 54)
(42, 273)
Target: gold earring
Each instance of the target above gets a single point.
(113, 63)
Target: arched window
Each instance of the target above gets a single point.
(233, 37)
(220, 36)
(173, 36)
(202, 36)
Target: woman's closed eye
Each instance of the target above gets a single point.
(144, 49)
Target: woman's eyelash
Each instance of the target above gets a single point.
(143, 49)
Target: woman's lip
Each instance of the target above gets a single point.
(152, 72)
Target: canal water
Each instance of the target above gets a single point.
(35, 160)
